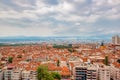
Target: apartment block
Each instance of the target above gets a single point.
(25, 75)
(91, 73)
(1, 74)
(115, 73)
(16, 75)
(85, 73)
(104, 73)
(80, 73)
(33, 75)
(8, 73)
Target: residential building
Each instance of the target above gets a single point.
(80, 73)
(25, 75)
(91, 73)
(115, 73)
(104, 73)
(16, 75)
(33, 75)
(88, 72)
(8, 72)
(1, 74)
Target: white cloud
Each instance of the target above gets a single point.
(27, 31)
(23, 3)
(63, 16)
(114, 16)
(65, 10)
(92, 18)
(114, 2)
(99, 2)
(77, 24)
(80, 1)
(40, 3)
(65, 7)
(17, 15)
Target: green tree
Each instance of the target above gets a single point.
(58, 63)
(10, 59)
(70, 45)
(118, 60)
(24, 51)
(106, 60)
(56, 75)
(19, 56)
(43, 73)
(70, 50)
(48, 76)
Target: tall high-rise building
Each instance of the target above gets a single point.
(116, 39)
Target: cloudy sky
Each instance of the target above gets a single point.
(85, 18)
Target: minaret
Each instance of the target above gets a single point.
(102, 46)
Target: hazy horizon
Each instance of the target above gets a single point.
(38, 37)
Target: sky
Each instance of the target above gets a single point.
(84, 18)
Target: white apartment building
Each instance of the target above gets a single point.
(92, 73)
(80, 73)
(33, 75)
(16, 75)
(104, 73)
(25, 75)
(1, 74)
(115, 73)
(7, 74)
(88, 72)
(29, 75)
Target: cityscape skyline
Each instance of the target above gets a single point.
(84, 18)
(59, 39)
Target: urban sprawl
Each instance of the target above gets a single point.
(88, 61)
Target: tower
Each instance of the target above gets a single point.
(115, 39)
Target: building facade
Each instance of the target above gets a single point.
(115, 73)
(92, 73)
(85, 73)
(104, 73)
(116, 39)
(16, 75)
(1, 74)
(80, 73)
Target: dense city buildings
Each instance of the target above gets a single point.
(59, 39)
(83, 61)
